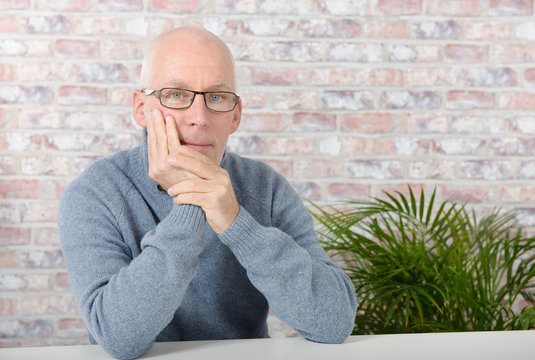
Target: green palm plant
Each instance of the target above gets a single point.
(418, 266)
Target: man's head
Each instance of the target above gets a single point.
(193, 59)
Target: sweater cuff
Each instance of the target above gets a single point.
(186, 216)
(245, 236)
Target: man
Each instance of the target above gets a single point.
(178, 239)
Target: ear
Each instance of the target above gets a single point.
(236, 118)
(139, 108)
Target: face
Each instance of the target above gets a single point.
(196, 65)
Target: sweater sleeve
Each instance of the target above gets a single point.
(126, 302)
(285, 262)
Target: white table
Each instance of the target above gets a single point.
(504, 345)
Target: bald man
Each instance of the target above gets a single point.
(179, 239)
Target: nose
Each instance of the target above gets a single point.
(197, 113)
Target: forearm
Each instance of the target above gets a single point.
(304, 288)
(126, 308)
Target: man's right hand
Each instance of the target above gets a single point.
(163, 142)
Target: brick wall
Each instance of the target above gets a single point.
(344, 97)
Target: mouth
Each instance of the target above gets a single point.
(197, 147)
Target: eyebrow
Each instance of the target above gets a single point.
(214, 86)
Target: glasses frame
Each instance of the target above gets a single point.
(158, 95)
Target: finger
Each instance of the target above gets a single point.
(173, 142)
(155, 130)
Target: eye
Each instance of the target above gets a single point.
(216, 97)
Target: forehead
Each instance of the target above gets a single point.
(192, 62)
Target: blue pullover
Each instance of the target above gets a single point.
(144, 269)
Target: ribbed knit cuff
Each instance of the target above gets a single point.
(245, 236)
(186, 216)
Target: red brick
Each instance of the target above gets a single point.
(380, 77)
(516, 100)
(122, 49)
(88, 25)
(513, 53)
(368, 123)
(79, 49)
(44, 259)
(41, 211)
(8, 23)
(487, 169)
(348, 191)
(331, 76)
(529, 76)
(80, 95)
(414, 53)
(264, 122)
(71, 328)
(317, 168)
(267, 26)
(510, 7)
(281, 77)
(61, 282)
(67, 5)
(340, 7)
(325, 28)
(310, 122)
(41, 305)
(459, 99)
(466, 53)
(14, 4)
(13, 94)
(438, 30)
(354, 52)
(8, 259)
(375, 169)
(6, 307)
(352, 146)
(487, 76)
(19, 189)
(485, 30)
(235, 7)
(433, 169)
(118, 142)
(14, 236)
(45, 236)
(347, 100)
(57, 24)
(6, 72)
(181, 7)
(248, 145)
(477, 194)
(119, 5)
(385, 29)
(432, 76)
(399, 7)
(290, 146)
(456, 7)
(410, 99)
(459, 145)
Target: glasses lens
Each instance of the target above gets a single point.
(176, 98)
(220, 101)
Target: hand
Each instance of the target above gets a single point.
(211, 189)
(163, 142)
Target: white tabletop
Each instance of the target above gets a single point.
(502, 345)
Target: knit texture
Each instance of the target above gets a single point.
(144, 269)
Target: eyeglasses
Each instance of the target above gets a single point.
(174, 98)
